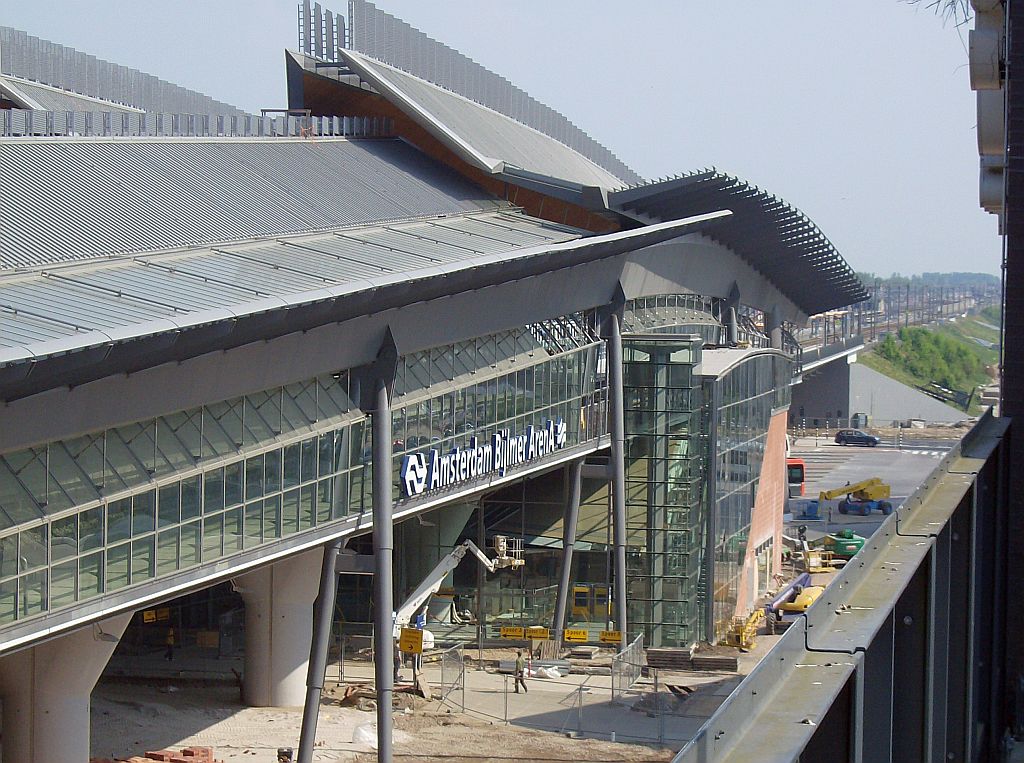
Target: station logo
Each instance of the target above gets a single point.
(433, 470)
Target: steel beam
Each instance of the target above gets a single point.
(617, 426)
(383, 551)
(574, 474)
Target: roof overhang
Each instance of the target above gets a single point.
(88, 357)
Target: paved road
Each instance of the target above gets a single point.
(830, 466)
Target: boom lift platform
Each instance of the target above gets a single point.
(509, 555)
(861, 498)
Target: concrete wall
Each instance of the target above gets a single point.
(824, 393)
(886, 400)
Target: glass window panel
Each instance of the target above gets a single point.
(190, 544)
(122, 462)
(254, 477)
(253, 524)
(307, 508)
(299, 407)
(191, 505)
(143, 558)
(272, 518)
(90, 575)
(213, 537)
(69, 485)
(169, 505)
(9, 601)
(233, 530)
(324, 500)
(33, 548)
(9, 556)
(182, 432)
(144, 513)
(309, 459)
(33, 593)
(333, 396)
(357, 451)
(213, 491)
(63, 583)
(290, 512)
(222, 426)
(272, 471)
(90, 528)
(233, 484)
(262, 416)
(28, 469)
(64, 538)
(291, 465)
(118, 559)
(167, 551)
(173, 454)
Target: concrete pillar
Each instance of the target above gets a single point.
(773, 328)
(278, 629)
(732, 327)
(46, 691)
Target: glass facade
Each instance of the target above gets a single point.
(98, 513)
(665, 457)
(744, 398)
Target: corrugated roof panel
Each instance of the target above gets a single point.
(72, 199)
(51, 99)
(123, 292)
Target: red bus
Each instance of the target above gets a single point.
(796, 471)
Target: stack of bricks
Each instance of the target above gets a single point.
(187, 755)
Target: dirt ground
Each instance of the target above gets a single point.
(131, 718)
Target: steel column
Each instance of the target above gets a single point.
(383, 550)
(322, 620)
(572, 512)
(618, 466)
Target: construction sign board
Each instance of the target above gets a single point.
(411, 641)
(576, 634)
(538, 632)
(611, 637)
(513, 631)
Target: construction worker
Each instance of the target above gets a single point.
(169, 641)
(520, 671)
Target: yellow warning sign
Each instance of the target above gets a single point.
(149, 615)
(513, 631)
(576, 634)
(537, 631)
(163, 613)
(411, 641)
(611, 637)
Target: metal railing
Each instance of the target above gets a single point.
(16, 123)
(900, 658)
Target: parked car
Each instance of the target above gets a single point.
(856, 437)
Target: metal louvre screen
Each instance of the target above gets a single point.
(28, 57)
(388, 39)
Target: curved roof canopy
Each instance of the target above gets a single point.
(777, 239)
(485, 138)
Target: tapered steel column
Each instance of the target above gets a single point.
(572, 513)
(322, 619)
(618, 466)
(383, 550)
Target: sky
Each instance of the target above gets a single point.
(859, 114)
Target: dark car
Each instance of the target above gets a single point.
(856, 437)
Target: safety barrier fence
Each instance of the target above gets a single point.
(627, 667)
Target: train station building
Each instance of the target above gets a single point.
(225, 338)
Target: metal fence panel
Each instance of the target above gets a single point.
(627, 666)
(453, 677)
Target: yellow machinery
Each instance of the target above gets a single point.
(861, 497)
(802, 599)
(744, 630)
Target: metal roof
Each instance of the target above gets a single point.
(69, 199)
(81, 303)
(33, 95)
(484, 137)
(74, 323)
(386, 38)
(778, 240)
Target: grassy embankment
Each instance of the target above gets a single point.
(954, 355)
